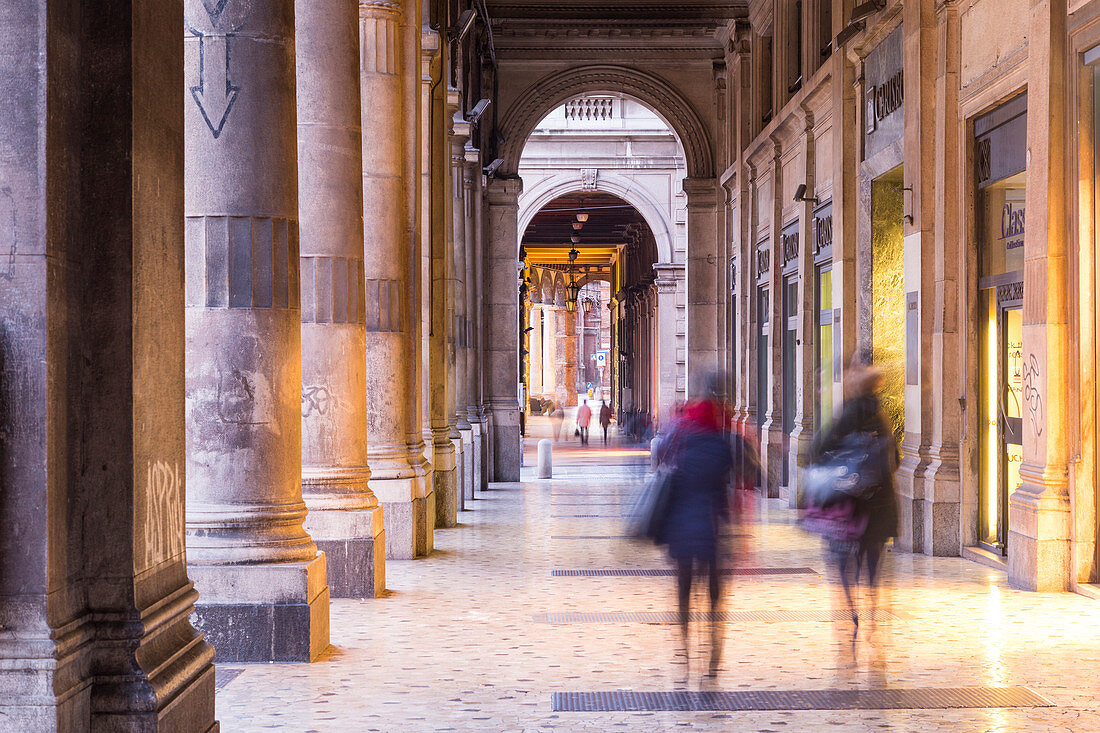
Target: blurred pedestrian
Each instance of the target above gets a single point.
(557, 416)
(859, 517)
(605, 418)
(584, 417)
(703, 453)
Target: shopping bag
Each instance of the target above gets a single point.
(647, 516)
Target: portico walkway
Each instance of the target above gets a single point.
(472, 637)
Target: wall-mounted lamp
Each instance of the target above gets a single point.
(462, 27)
(850, 31)
(479, 109)
(907, 203)
(866, 10)
(800, 194)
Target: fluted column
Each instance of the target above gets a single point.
(396, 481)
(565, 351)
(702, 274)
(458, 265)
(501, 320)
(344, 517)
(472, 262)
(248, 551)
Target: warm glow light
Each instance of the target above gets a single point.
(582, 218)
(991, 421)
(577, 225)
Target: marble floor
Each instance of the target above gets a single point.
(466, 639)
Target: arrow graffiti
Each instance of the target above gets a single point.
(215, 93)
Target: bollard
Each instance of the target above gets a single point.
(546, 458)
(654, 449)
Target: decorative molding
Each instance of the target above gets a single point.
(241, 262)
(547, 93)
(333, 290)
(378, 42)
(590, 179)
(384, 309)
(1010, 292)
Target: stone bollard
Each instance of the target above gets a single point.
(654, 449)
(546, 458)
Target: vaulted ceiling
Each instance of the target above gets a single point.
(612, 27)
(547, 239)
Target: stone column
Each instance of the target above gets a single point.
(344, 517)
(772, 454)
(501, 345)
(474, 413)
(565, 352)
(94, 594)
(396, 480)
(703, 300)
(1039, 511)
(249, 554)
(458, 264)
(802, 431)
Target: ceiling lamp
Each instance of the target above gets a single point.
(577, 226)
(582, 217)
(575, 239)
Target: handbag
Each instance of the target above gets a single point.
(647, 516)
(851, 472)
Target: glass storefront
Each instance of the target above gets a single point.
(888, 293)
(1000, 144)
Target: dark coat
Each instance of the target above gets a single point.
(863, 414)
(699, 501)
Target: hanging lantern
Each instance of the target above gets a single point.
(575, 239)
(572, 290)
(582, 217)
(587, 304)
(577, 226)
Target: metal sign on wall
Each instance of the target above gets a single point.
(883, 94)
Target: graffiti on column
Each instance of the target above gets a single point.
(1033, 397)
(7, 232)
(315, 400)
(215, 93)
(164, 524)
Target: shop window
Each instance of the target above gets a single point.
(999, 157)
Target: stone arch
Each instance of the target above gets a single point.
(659, 222)
(544, 95)
(547, 288)
(559, 290)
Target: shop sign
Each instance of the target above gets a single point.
(1012, 225)
(789, 242)
(883, 100)
(763, 259)
(823, 229)
(883, 94)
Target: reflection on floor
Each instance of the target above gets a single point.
(482, 636)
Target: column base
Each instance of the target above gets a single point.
(910, 524)
(1038, 542)
(275, 612)
(771, 460)
(478, 467)
(506, 451)
(354, 543)
(445, 486)
(940, 522)
(466, 480)
(409, 527)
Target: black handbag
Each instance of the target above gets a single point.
(851, 472)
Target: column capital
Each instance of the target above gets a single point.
(381, 7)
(504, 191)
(702, 193)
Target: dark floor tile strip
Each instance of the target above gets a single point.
(617, 536)
(667, 572)
(672, 617)
(224, 675)
(589, 516)
(754, 700)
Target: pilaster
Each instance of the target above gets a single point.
(344, 517)
(501, 322)
(260, 577)
(397, 479)
(702, 278)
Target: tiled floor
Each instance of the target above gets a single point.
(463, 643)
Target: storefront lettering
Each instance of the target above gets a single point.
(823, 233)
(1012, 226)
(883, 100)
(790, 246)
